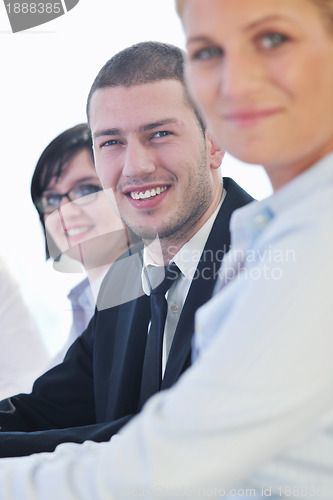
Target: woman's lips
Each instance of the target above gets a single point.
(77, 233)
(249, 118)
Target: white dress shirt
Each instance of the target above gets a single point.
(187, 260)
(254, 414)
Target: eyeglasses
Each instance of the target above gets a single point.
(83, 194)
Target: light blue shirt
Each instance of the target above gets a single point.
(83, 306)
(253, 417)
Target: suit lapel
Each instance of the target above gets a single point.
(128, 324)
(129, 347)
(201, 289)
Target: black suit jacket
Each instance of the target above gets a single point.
(95, 391)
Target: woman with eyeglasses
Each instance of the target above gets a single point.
(77, 219)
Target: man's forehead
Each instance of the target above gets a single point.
(158, 93)
(141, 107)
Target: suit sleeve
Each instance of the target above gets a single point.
(19, 444)
(89, 396)
(60, 408)
(61, 397)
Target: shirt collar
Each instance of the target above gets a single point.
(77, 290)
(253, 218)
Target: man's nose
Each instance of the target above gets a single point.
(139, 159)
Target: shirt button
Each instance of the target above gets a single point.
(174, 308)
(261, 220)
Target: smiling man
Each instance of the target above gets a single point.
(161, 167)
(161, 170)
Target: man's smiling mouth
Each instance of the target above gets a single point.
(149, 193)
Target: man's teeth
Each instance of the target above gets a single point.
(149, 193)
(78, 230)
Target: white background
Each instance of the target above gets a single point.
(46, 73)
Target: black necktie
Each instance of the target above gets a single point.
(152, 364)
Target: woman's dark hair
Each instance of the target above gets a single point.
(51, 165)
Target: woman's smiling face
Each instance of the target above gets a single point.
(262, 74)
(72, 225)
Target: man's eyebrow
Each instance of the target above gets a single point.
(160, 123)
(143, 128)
(106, 132)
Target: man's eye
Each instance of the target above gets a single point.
(207, 53)
(272, 40)
(162, 133)
(110, 142)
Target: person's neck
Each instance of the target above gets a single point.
(162, 250)
(95, 277)
(95, 273)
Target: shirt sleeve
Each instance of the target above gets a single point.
(262, 384)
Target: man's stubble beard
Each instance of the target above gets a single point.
(180, 228)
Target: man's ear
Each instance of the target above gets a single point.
(215, 154)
